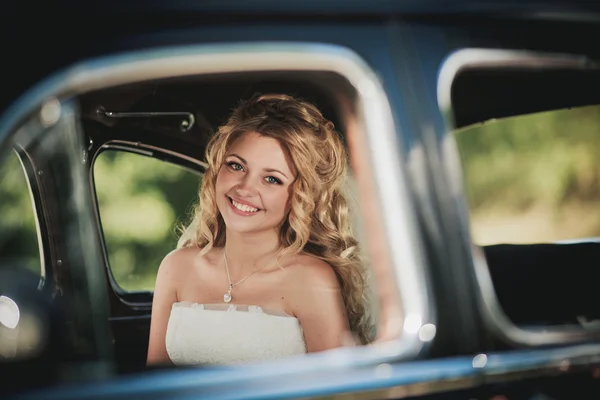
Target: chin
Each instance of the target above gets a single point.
(240, 226)
(237, 224)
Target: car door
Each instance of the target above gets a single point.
(503, 108)
(112, 131)
(144, 194)
(51, 314)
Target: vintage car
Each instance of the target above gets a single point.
(473, 129)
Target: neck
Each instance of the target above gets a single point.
(246, 252)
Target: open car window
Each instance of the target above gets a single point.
(143, 203)
(525, 149)
(533, 178)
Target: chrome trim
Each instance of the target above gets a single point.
(185, 125)
(38, 229)
(135, 150)
(376, 130)
(494, 317)
(379, 381)
(504, 367)
(489, 58)
(148, 150)
(595, 239)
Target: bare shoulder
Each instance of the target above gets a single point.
(315, 298)
(181, 254)
(178, 263)
(308, 271)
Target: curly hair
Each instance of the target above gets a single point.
(318, 221)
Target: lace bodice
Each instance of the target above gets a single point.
(230, 334)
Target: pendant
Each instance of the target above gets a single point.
(227, 296)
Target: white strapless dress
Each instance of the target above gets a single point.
(199, 334)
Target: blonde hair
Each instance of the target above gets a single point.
(318, 221)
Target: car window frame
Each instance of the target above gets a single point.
(494, 318)
(134, 298)
(400, 269)
(31, 178)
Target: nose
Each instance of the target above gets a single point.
(247, 186)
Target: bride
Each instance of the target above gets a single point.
(268, 267)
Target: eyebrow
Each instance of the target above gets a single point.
(266, 169)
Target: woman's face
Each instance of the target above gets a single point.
(253, 184)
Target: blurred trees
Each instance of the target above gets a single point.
(18, 235)
(143, 202)
(533, 178)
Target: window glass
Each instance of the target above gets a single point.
(19, 244)
(533, 178)
(142, 202)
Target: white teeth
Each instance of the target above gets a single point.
(243, 207)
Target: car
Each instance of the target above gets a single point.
(472, 129)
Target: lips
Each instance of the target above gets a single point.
(243, 207)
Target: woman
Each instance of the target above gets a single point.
(268, 267)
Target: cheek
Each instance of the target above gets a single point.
(275, 200)
(288, 197)
(223, 180)
(284, 200)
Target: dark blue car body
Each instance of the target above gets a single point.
(405, 43)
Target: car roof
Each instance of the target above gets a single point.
(576, 9)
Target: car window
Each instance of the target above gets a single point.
(142, 202)
(533, 178)
(19, 245)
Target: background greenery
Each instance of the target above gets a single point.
(143, 202)
(18, 234)
(532, 178)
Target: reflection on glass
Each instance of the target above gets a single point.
(9, 312)
(22, 332)
(533, 178)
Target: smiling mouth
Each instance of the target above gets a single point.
(243, 207)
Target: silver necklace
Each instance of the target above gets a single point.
(227, 296)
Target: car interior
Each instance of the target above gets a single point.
(169, 121)
(154, 117)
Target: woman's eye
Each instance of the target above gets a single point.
(272, 180)
(235, 166)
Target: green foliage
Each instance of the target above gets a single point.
(548, 161)
(142, 202)
(18, 234)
